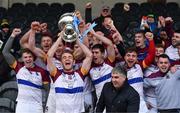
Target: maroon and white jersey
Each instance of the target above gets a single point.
(100, 74)
(69, 91)
(30, 83)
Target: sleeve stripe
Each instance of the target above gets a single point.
(110, 59)
(13, 66)
(54, 72)
(144, 64)
(84, 71)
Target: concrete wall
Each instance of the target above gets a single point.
(80, 4)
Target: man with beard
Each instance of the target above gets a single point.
(165, 84)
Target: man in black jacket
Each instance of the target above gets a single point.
(118, 95)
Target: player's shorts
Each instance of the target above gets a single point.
(25, 107)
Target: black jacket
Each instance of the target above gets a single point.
(124, 100)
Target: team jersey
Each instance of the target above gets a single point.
(100, 74)
(69, 91)
(88, 86)
(172, 53)
(151, 69)
(57, 63)
(30, 83)
(135, 79)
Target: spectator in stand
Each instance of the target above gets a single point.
(118, 96)
(5, 29)
(172, 51)
(110, 30)
(151, 25)
(105, 11)
(4, 68)
(176, 65)
(166, 31)
(146, 53)
(31, 79)
(5, 34)
(165, 84)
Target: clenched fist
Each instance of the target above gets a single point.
(149, 36)
(15, 32)
(35, 26)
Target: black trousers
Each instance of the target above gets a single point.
(169, 111)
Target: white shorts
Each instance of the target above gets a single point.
(51, 102)
(88, 102)
(143, 107)
(153, 102)
(25, 107)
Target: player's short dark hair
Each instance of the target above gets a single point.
(130, 50)
(26, 50)
(140, 32)
(100, 47)
(67, 50)
(164, 56)
(108, 16)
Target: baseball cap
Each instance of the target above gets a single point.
(150, 15)
(4, 24)
(105, 7)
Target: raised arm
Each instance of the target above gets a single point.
(6, 51)
(24, 40)
(31, 41)
(151, 52)
(108, 43)
(51, 67)
(88, 59)
(37, 51)
(119, 44)
(88, 16)
(54, 47)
